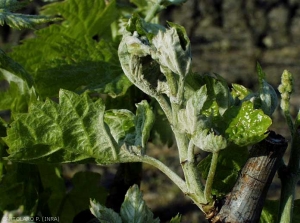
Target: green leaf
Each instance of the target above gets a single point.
(246, 125)
(8, 64)
(20, 91)
(176, 219)
(103, 214)
(76, 200)
(270, 211)
(16, 190)
(90, 18)
(70, 131)
(64, 202)
(17, 20)
(134, 209)
(239, 91)
(230, 161)
(73, 130)
(69, 57)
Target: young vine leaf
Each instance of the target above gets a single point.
(133, 210)
(246, 125)
(104, 214)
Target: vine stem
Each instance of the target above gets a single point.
(190, 154)
(166, 170)
(165, 107)
(210, 177)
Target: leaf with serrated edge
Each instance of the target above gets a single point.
(18, 20)
(209, 141)
(134, 209)
(72, 130)
(103, 214)
(176, 219)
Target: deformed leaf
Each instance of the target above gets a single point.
(173, 49)
(246, 125)
(188, 118)
(134, 209)
(103, 214)
(121, 123)
(72, 130)
(144, 121)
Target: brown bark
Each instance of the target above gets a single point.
(246, 200)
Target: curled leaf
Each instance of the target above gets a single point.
(173, 49)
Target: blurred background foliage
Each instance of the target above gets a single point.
(228, 37)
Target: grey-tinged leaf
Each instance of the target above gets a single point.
(134, 209)
(121, 123)
(209, 141)
(142, 71)
(173, 49)
(72, 130)
(189, 118)
(17, 20)
(144, 121)
(103, 214)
